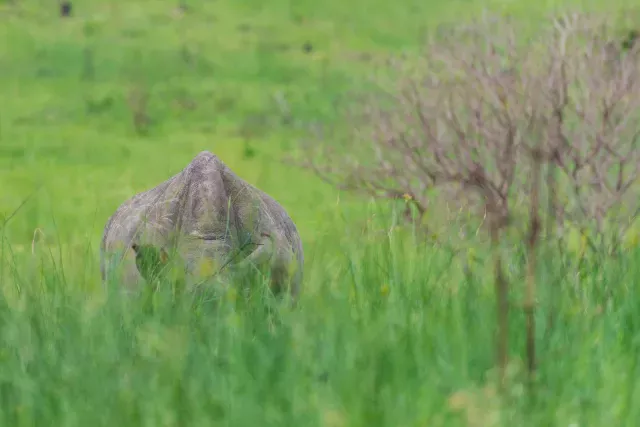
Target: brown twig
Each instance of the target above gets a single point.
(534, 232)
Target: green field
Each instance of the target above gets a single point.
(389, 330)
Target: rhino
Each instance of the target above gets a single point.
(205, 215)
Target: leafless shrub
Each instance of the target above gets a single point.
(469, 113)
(595, 100)
(474, 121)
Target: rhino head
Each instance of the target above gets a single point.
(208, 219)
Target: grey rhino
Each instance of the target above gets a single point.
(205, 212)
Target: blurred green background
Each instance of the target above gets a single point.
(119, 96)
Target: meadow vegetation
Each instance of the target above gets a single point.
(396, 323)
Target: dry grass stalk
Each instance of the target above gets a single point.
(138, 101)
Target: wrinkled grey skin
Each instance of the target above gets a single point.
(206, 210)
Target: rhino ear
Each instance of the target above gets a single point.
(150, 250)
(262, 254)
(149, 260)
(164, 257)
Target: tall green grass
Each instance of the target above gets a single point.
(391, 332)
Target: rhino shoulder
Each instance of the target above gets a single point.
(128, 216)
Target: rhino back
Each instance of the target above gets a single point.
(206, 209)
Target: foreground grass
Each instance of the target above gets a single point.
(391, 333)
